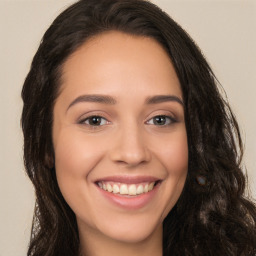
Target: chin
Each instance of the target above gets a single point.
(132, 229)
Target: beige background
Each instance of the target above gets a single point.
(225, 31)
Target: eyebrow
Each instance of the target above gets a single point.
(163, 98)
(105, 99)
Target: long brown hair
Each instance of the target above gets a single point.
(212, 217)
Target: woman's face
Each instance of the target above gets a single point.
(119, 136)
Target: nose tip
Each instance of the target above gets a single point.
(131, 150)
(133, 158)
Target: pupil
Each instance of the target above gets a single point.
(160, 120)
(95, 120)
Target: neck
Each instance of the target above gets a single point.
(94, 244)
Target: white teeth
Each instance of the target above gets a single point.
(123, 189)
(126, 189)
(151, 185)
(140, 190)
(146, 188)
(115, 189)
(109, 188)
(132, 190)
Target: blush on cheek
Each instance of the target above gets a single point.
(175, 158)
(75, 154)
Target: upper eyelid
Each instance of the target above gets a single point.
(91, 114)
(82, 120)
(173, 119)
(162, 112)
(100, 113)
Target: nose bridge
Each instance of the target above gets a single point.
(130, 145)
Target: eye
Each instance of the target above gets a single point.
(94, 121)
(161, 120)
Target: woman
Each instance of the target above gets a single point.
(129, 145)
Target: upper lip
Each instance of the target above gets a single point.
(129, 179)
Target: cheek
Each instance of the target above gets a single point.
(75, 153)
(75, 157)
(174, 153)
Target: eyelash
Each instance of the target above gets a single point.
(90, 118)
(171, 120)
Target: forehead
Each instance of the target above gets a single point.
(115, 60)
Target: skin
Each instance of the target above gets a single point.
(127, 141)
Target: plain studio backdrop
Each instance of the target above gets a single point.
(225, 30)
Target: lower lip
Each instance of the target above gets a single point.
(132, 202)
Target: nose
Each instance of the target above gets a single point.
(130, 147)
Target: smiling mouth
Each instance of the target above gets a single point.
(127, 189)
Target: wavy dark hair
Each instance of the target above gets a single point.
(213, 215)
